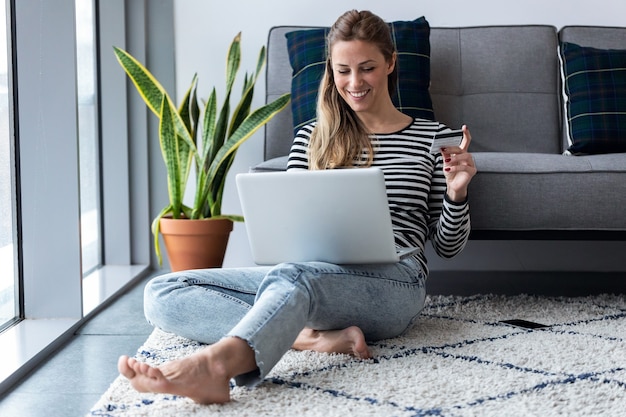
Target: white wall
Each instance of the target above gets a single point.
(204, 29)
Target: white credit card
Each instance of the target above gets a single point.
(446, 139)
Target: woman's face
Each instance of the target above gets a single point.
(360, 72)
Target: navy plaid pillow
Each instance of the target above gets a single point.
(307, 55)
(595, 85)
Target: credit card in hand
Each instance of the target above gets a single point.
(445, 139)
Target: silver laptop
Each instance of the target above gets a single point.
(339, 216)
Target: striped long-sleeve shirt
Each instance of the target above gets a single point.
(416, 188)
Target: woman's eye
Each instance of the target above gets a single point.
(368, 69)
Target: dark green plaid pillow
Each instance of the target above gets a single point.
(595, 85)
(307, 55)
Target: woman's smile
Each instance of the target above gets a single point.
(358, 94)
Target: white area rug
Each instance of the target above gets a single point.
(457, 360)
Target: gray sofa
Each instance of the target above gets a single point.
(504, 83)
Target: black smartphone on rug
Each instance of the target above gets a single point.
(524, 324)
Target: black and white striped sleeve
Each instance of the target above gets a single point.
(450, 226)
(299, 153)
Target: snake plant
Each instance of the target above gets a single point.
(212, 150)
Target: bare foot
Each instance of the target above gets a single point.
(349, 340)
(203, 376)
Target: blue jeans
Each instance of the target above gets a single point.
(269, 306)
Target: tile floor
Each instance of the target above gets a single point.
(71, 381)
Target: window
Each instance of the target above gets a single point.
(88, 137)
(8, 272)
(74, 188)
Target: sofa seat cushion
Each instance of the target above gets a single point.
(307, 55)
(530, 192)
(595, 89)
(271, 165)
(534, 163)
(535, 192)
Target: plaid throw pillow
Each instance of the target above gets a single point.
(595, 85)
(307, 55)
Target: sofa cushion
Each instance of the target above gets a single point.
(594, 83)
(570, 182)
(272, 165)
(501, 82)
(307, 55)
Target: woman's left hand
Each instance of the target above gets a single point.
(458, 167)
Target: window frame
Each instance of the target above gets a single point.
(18, 301)
(44, 76)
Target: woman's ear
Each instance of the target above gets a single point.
(392, 63)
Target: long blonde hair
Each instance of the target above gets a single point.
(339, 138)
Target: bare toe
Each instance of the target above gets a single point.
(124, 367)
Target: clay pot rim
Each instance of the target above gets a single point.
(195, 226)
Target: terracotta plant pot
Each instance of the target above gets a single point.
(194, 244)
